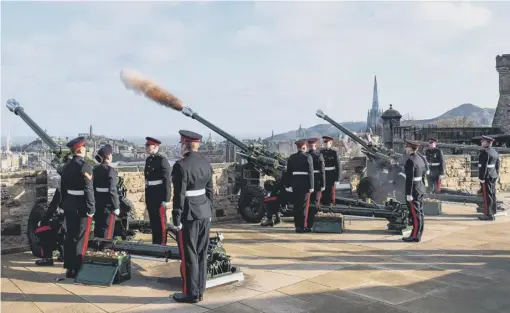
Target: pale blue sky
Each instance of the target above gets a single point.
(240, 64)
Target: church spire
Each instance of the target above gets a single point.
(375, 97)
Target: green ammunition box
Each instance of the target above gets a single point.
(329, 224)
(104, 271)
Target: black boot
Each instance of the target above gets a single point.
(180, 297)
(487, 218)
(277, 220)
(410, 239)
(299, 230)
(307, 230)
(44, 262)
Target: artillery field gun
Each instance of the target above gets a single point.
(378, 159)
(61, 157)
(220, 269)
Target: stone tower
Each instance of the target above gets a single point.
(374, 114)
(502, 115)
(391, 119)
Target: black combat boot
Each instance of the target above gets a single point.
(299, 230)
(410, 239)
(487, 218)
(307, 230)
(44, 262)
(277, 220)
(180, 297)
(70, 274)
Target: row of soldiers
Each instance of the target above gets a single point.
(91, 194)
(310, 178)
(432, 166)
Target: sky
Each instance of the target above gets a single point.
(248, 67)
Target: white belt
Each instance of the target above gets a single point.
(417, 178)
(402, 174)
(194, 193)
(435, 164)
(316, 172)
(76, 192)
(488, 165)
(385, 171)
(330, 168)
(299, 173)
(102, 189)
(154, 182)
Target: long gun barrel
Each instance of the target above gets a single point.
(17, 109)
(370, 151)
(460, 147)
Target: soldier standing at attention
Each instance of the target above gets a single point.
(333, 169)
(157, 189)
(319, 179)
(191, 215)
(488, 173)
(78, 205)
(435, 160)
(301, 180)
(106, 194)
(415, 188)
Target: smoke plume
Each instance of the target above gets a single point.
(136, 82)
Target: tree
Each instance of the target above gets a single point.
(459, 121)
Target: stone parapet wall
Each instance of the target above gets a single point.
(224, 201)
(458, 173)
(20, 193)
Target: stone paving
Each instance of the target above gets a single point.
(462, 265)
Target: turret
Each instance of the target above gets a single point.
(502, 114)
(391, 119)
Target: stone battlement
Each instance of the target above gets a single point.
(503, 61)
(23, 190)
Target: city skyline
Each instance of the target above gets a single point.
(244, 66)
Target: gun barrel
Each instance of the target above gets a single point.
(17, 109)
(458, 146)
(343, 129)
(189, 112)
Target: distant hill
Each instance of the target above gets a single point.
(480, 116)
(322, 130)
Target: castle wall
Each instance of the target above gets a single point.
(20, 192)
(502, 114)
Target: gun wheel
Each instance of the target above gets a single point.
(36, 215)
(251, 204)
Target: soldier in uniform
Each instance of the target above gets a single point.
(157, 189)
(319, 180)
(301, 181)
(435, 159)
(333, 169)
(488, 173)
(414, 189)
(397, 178)
(272, 203)
(191, 215)
(106, 194)
(78, 204)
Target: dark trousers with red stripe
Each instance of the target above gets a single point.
(315, 199)
(328, 195)
(272, 206)
(48, 241)
(416, 215)
(434, 184)
(157, 217)
(300, 203)
(104, 223)
(193, 241)
(489, 196)
(77, 237)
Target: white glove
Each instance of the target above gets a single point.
(335, 184)
(39, 224)
(310, 191)
(441, 176)
(323, 188)
(90, 215)
(428, 172)
(178, 228)
(60, 211)
(391, 182)
(409, 198)
(210, 219)
(116, 212)
(289, 189)
(482, 181)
